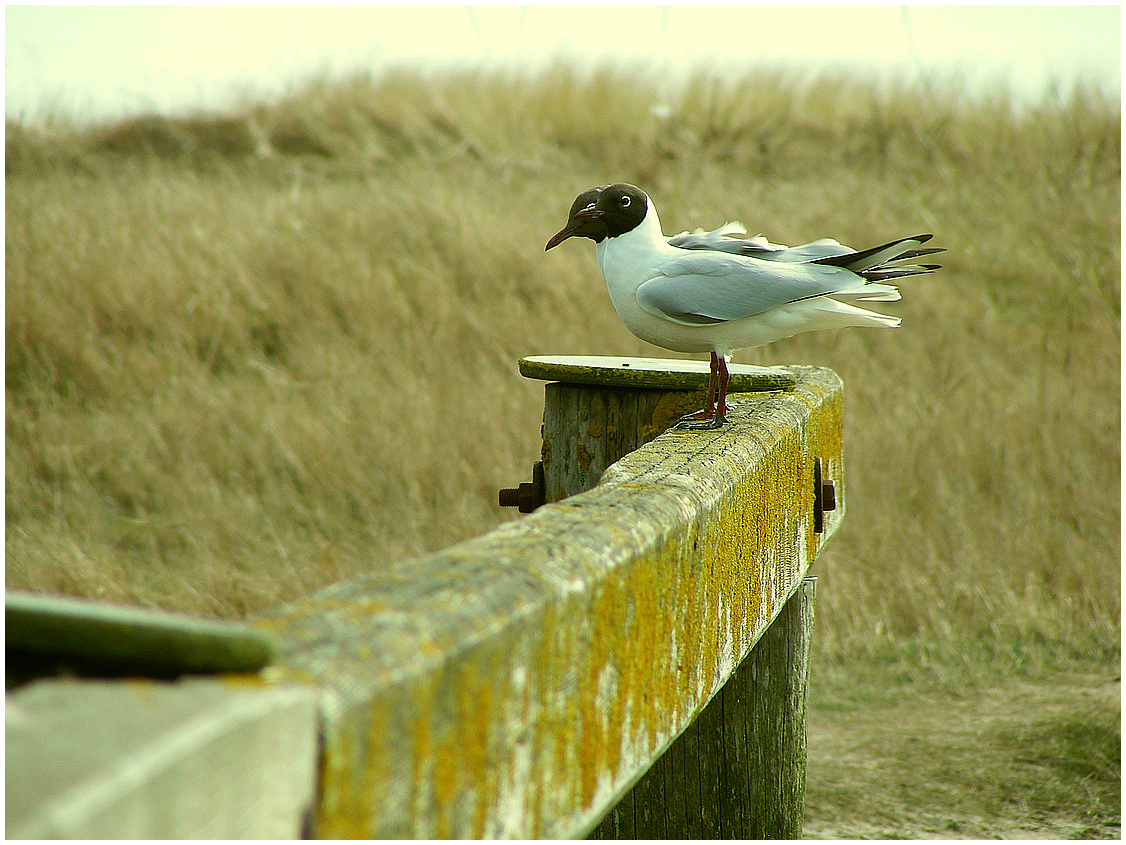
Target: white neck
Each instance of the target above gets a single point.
(650, 228)
(623, 259)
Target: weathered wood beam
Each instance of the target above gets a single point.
(517, 684)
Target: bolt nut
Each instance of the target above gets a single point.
(529, 495)
(824, 497)
(828, 496)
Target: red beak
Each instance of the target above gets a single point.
(571, 228)
(560, 236)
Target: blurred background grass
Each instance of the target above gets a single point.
(253, 353)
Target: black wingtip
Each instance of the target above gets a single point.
(850, 259)
(919, 253)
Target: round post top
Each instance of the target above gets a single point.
(651, 373)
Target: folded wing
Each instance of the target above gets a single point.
(706, 286)
(712, 287)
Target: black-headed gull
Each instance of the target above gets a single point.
(717, 292)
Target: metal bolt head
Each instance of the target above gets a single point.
(824, 497)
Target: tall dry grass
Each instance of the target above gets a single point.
(251, 354)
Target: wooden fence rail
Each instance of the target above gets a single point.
(519, 684)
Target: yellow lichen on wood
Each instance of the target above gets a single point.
(516, 684)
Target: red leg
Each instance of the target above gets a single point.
(716, 412)
(713, 378)
(721, 406)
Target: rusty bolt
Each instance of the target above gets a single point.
(529, 495)
(824, 497)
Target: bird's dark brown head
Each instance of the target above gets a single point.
(603, 212)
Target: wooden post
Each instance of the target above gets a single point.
(738, 771)
(587, 428)
(599, 409)
(766, 697)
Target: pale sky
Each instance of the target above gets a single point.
(97, 61)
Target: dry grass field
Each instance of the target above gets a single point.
(251, 354)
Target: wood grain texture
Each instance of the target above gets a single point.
(738, 771)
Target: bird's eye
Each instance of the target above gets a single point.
(625, 201)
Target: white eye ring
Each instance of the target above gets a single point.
(625, 201)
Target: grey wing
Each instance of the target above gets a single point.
(702, 288)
